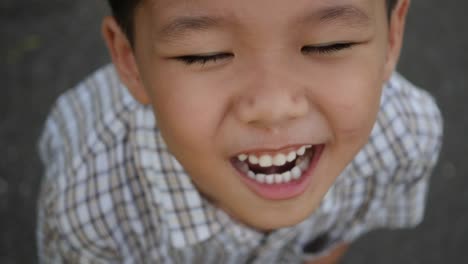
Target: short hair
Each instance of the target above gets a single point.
(124, 11)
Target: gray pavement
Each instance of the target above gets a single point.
(48, 46)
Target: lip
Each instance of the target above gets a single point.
(285, 191)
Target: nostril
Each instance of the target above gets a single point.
(270, 107)
(250, 102)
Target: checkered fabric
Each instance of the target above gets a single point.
(112, 193)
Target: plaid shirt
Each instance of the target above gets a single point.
(112, 192)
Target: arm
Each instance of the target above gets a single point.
(333, 257)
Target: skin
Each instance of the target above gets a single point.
(264, 93)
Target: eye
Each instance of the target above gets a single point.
(326, 49)
(203, 59)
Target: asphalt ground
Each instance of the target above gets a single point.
(48, 46)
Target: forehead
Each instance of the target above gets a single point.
(245, 11)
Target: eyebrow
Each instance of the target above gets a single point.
(181, 25)
(346, 14)
(343, 14)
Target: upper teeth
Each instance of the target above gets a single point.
(279, 159)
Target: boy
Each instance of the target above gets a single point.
(246, 131)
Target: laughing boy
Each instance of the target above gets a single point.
(246, 131)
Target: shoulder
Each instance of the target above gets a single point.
(385, 185)
(91, 117)
(92, 195)
(409, 125)
(97, 101)
(407, 136)
(403, 146)
(396, 164)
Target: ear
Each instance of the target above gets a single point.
(395, 36)
(123, 57)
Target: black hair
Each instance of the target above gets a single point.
(390, 6)
(124, 10)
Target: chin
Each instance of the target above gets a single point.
(268, 220)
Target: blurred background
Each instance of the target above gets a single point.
(48, 46)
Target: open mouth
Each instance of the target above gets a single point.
(277, 168)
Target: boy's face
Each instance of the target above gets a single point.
(262, 78)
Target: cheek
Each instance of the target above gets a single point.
(187, 111)
(350, 104)
(354, 114)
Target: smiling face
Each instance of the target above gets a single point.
(263, 102)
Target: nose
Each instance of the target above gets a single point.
(271, 98)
